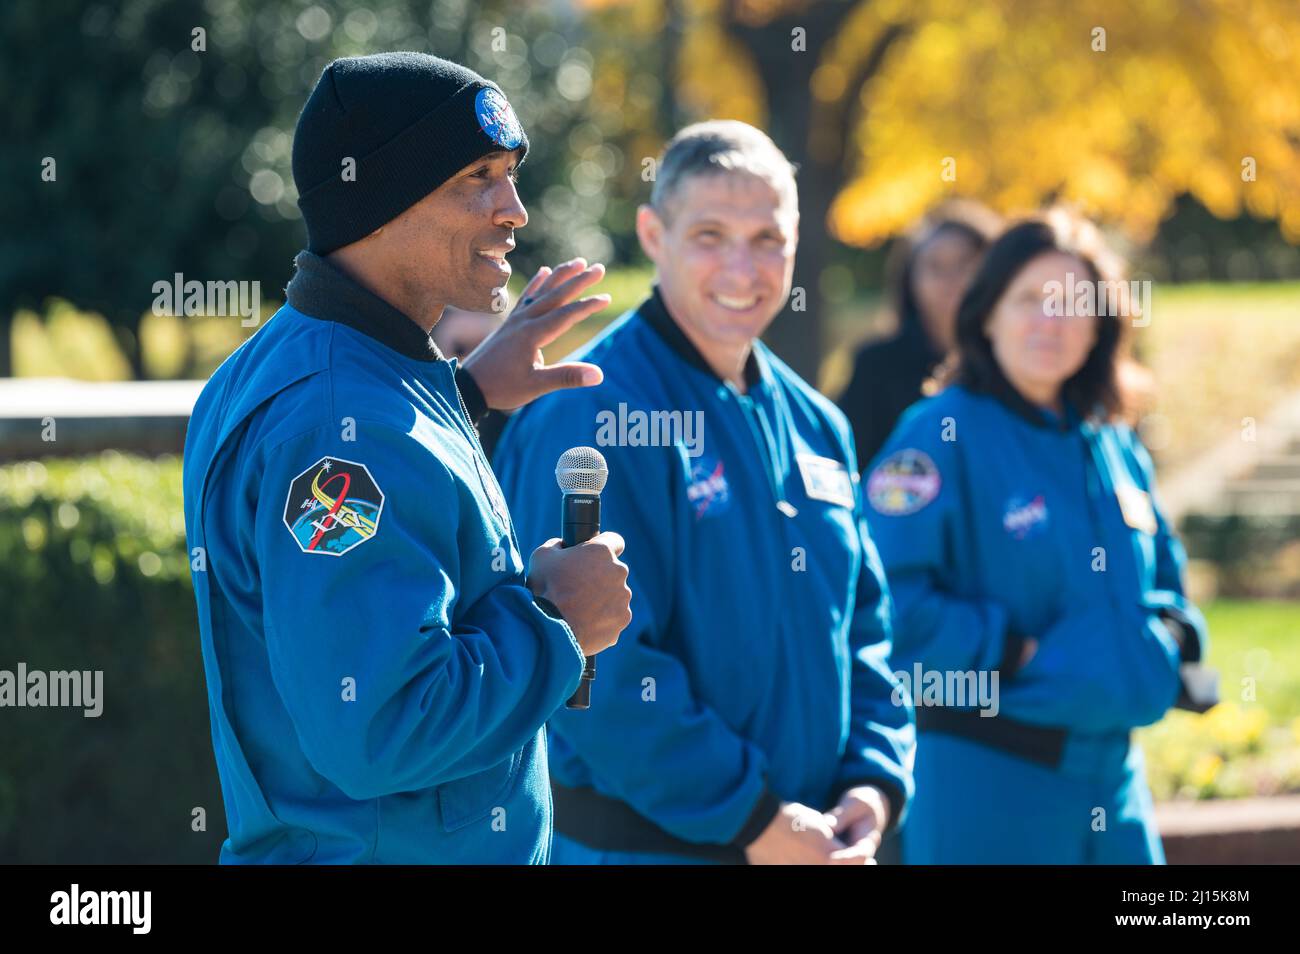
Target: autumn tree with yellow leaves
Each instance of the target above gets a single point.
(887, 106)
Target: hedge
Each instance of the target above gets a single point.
(94, 576)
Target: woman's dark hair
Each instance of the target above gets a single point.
(970, 220)
(1093, 390)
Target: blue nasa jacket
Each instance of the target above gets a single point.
(997, 522)
(754, 669)
(378, 673)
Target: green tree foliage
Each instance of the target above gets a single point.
(171, 147)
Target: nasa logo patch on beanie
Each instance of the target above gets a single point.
(497, 118)
(408, 122)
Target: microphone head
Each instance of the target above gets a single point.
(581, 470)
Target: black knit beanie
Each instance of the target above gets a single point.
(409, 121)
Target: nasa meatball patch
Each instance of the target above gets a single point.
(1025, 516)
(497, 118)
(333, 506)
(903, 483)
(708, 492)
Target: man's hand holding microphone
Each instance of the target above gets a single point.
(580, 574)
(588, 585)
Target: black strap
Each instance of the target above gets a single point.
(1042, 744)
(472, 395)
(607, 824)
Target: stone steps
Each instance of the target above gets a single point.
(1262, 496)
(1259, 476)
(1280, 467)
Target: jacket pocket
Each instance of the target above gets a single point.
(471, 799)
(294, 846)
(1095, 672)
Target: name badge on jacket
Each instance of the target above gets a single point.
(826, 479)
(1136, 506)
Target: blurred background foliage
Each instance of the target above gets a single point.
(174, 160)
(95, 570)
(171, 159)
(1218, 352)
(1022, 103)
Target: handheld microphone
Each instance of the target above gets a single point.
(581, 473)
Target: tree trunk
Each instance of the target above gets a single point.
(786, 75)
(670, 47)
(6, 348)
(817, 139)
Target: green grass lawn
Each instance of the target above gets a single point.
(1219, 353)
(1249, 744)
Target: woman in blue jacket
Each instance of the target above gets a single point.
(1037, 586)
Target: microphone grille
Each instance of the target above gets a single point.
(581, 470)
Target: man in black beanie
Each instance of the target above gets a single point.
(379, 667)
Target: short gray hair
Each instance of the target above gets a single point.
(720, 146)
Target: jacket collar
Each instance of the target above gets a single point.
(1022, 407)
(655, 313)
(319, 290)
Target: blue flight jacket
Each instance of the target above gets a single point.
(379, 675)
(998, 522)
(755, 666)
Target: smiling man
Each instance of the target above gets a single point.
(747, 714)
(379, 668)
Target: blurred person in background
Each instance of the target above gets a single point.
(748, 714)
(928, 272)
(458, 333)
(1023, 542)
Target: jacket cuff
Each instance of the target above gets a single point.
(1183, 632)
(897, 797)
(549, 608)
(1013, 647)
(472, 394)
(764, 811)
(553, 611)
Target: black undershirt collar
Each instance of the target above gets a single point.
(319, 290)
(1001, 389)
(655, 312)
